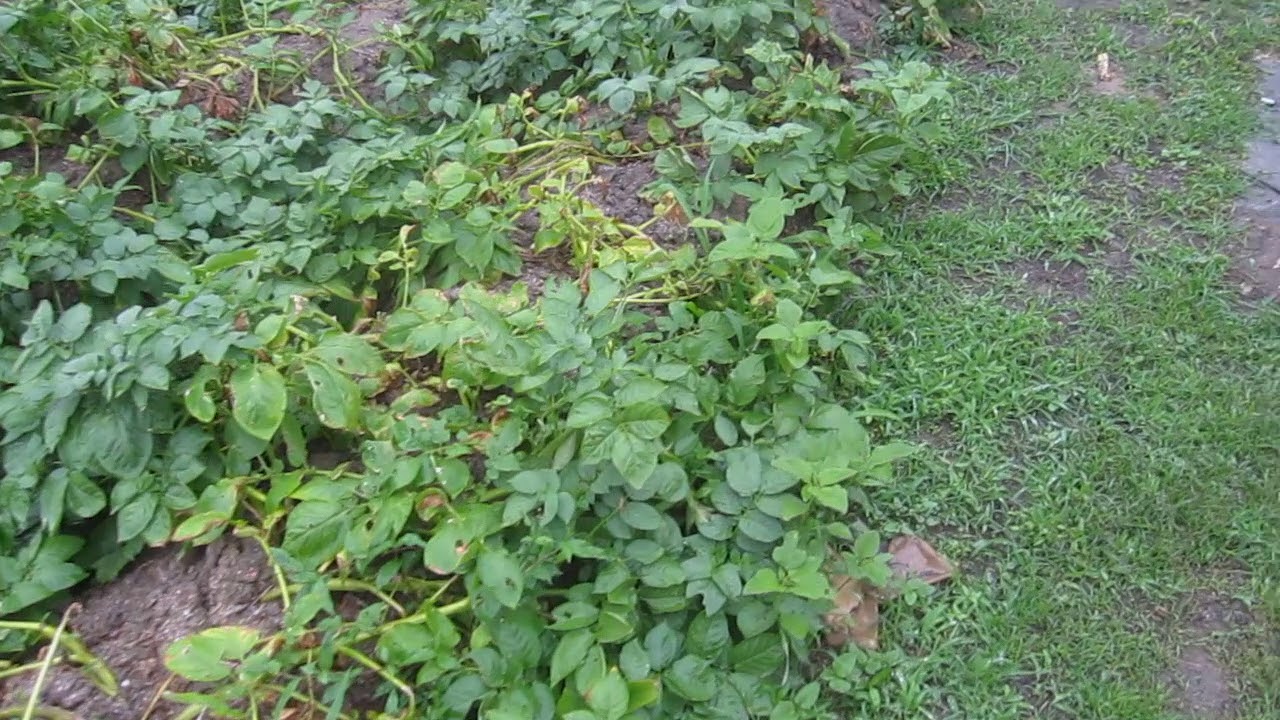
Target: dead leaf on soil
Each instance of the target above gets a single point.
(856, 615)
(915, 558)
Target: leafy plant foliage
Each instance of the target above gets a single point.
(619, 498)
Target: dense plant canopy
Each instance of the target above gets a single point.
(621, 495)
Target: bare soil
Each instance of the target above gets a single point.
(854, 20)
(1202, 685)
(129, 623)
(1258, 256)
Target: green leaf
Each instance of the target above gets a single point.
(120, 439)
(662, 643)
(589, 411)
(84, 498)
(118, 125)
(502, 146)
(647, 421)
(258, 399)
(574, 615)
(744, 471)
(196, 398)
(350, 354)
(634, 458)
(760, 527)
(569, 654)
(692, 678)
(831, 496)
(726, 431)
(501, 575)
(10, 138)
(334, 396)
(608, 696)
(134, 517)
(315, 530)
(784, 506)
(758, 656)
(72, 323)
(634, 661)
(641, 516)
(754, 617)
(643, 693)
(767, 217)
(764, 581)
(210, 655)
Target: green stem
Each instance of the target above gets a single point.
(50, 654)
(75, 649)
(383, 673)
(39, 712)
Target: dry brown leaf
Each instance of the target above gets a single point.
(915, 558)
(856, 616)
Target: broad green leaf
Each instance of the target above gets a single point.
(758, 656)
(500, 574)
(315, 530)
(210, 655)
(634, 661)
(765, 580)
(744, 471)
(767, 217)
(258, 399)
(574, 615)
(120, 440)
(334, 396)
(608, 697)
(641, 516)
(692, 678)
(569, 654)
(351, 354)
(760, 527)
(663, 644)
(589, 411)
(134, 517)
(643, 693)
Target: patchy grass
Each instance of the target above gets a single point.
(1099, 451)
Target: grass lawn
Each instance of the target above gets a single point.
(1066, 336)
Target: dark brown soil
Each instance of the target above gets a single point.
(1050, 278)
(1202, 685)
(1258, 257)
(618, 191)
(130, 622)
(854, 20)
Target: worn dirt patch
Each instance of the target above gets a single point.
(1202, 686)
(129, 623)
(1258, 256)
(1052, 278)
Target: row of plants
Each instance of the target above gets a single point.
(621, 497)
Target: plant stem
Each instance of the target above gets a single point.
(50, 653)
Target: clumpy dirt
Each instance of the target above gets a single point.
(854, 20)
(361, 50)
(1258, 257)
(129, 623)
(618, 191)
(1201, 685)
